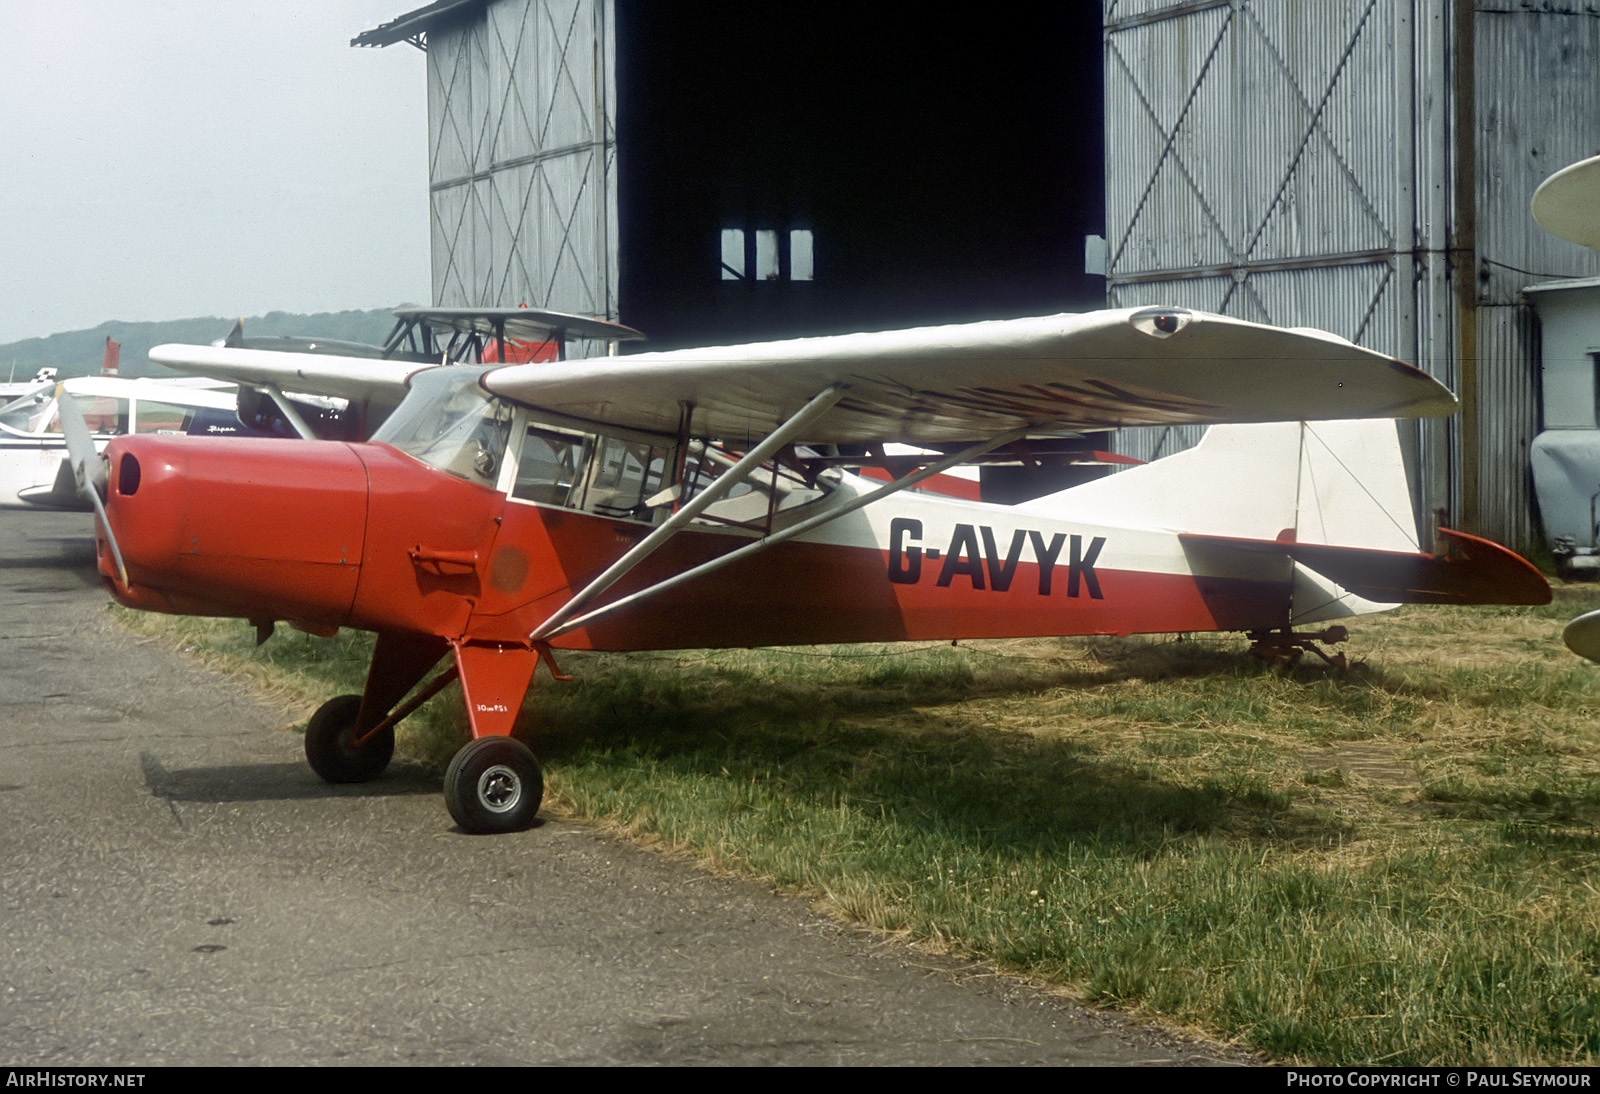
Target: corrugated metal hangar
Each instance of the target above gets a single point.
(721, 171)
(1366, 167)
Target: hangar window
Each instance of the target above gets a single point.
(1594, 370)
(733, 254)
(773, 255)
(800, 254)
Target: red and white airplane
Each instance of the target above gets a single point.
(690, 498)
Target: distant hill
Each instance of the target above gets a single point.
(78, 352)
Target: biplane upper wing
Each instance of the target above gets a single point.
(525, 324)
(319, 367)
(1097, 370)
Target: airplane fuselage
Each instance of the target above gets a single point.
(328, 534)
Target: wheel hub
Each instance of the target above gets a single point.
(499, 789)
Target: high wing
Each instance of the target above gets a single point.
(306, 373)
(1097, 370)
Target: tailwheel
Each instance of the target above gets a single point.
(332, 749)
(1286, 647)
(493, 785)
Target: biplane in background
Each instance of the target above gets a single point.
(694, 498)
(368, 381)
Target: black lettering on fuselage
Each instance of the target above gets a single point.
(1079, 565)
(1001, 573)
(905, 563)
(1046, 557)
(964, 557)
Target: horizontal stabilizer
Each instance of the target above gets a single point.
(1476, 571)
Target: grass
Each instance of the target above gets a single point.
(1395, 865)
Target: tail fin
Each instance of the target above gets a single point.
(1341, 483)
(1332, 497)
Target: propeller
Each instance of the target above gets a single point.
(87, 467)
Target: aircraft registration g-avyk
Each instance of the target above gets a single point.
(693, 498)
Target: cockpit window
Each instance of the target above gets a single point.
(606, 474)
(632, 478)
(38, 414)
(28, 415)
(450, 422)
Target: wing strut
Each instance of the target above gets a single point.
(289, 412)
(557, 623)
(725, 482)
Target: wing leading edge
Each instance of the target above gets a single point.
(1097, 370)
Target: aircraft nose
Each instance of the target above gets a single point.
(260, 529)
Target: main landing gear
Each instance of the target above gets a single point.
(338, 752)
(493, 783)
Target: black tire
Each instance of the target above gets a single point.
(330, 752)
(493, 784)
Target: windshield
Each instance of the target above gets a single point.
(448, 421)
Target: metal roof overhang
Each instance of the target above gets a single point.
(411, 26)
(1563, 285)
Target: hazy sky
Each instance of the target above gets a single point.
(169, 158)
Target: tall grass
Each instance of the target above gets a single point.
(1399, 864)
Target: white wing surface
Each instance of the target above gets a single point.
(1098, 370)
(353, 378)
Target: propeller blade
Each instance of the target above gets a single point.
(87, 468)
(86, 465)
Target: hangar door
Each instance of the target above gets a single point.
(522, 157)
(1271, 160)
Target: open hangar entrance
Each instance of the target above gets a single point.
(787, 170)
(819, 168)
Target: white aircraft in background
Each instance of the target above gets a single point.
(34, 471)
(1567, 204)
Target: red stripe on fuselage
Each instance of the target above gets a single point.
(802, 593)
